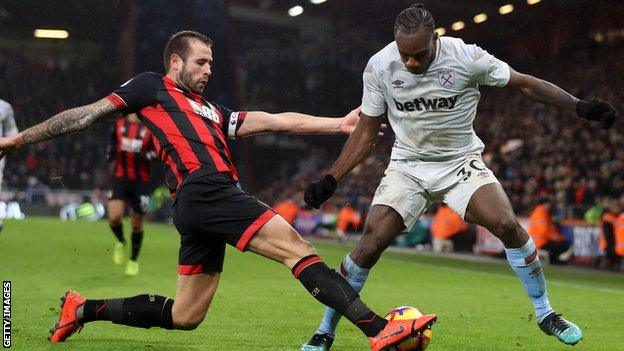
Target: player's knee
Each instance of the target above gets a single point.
(507, 229)
(188, 322)
(114, 221)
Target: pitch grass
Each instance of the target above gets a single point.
(259, 306)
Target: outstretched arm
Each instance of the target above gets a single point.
(66, 122)
(550, 94)
(541, 91)
(296, 123)
(353, 152)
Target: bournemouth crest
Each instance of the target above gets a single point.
(446, 77)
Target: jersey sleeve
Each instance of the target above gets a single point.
(485, 68)
(136, 93)
(8, 121)
(232, 120)
(373, 101)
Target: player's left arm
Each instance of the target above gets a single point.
(257, 122)
(550, 94)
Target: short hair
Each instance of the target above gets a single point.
(179, 44)
(412, 19)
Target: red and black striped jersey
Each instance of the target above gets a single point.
(189, 132)
(132, 149)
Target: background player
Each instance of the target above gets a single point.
(429, 88)
(7, 128)
(210, 210)
(132, 151)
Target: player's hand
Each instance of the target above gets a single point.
(597, 110)
(351, 120)
(318, 192)
(9, 144)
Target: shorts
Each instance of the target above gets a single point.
(210, 212)
(136, 194)
(410, 186)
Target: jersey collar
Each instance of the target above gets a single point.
(172, 83)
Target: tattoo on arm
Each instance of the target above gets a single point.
(70, 121)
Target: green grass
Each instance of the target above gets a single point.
(259, 306)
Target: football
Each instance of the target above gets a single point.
(416, 343)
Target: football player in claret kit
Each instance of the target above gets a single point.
(209, 209)
(428, 86)
(132, 150)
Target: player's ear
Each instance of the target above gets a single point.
(175, 62)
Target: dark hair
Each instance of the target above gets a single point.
(179, 44)
(412, 18)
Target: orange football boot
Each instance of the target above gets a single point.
(396, 331)
(67, 323)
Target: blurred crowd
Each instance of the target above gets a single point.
(38, 91)
(535, 151)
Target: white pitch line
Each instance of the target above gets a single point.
(548, 281)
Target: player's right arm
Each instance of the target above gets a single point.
(67, 122)
(359, 143)
(136, 93)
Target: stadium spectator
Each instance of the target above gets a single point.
(545, 233)
(609, 259)
(448, 226)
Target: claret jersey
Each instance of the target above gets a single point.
(432, 114)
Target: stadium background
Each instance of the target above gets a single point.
(266, 59)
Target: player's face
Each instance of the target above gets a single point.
(417, 49)
(196, 67)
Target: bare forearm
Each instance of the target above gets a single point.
(548, 93)
(354, 151)
(299, 123)
(69, 121)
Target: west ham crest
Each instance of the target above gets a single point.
(446, 77)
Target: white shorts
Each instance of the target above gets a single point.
(410, 186)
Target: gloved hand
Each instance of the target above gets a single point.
(597, 110)
(318, 192)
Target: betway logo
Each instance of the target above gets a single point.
(420, 104)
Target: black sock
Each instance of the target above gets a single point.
(118, 231)
(331, 289)
(143, 311)
(137, 239)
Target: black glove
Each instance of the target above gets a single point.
(597, 110)
(318, 192)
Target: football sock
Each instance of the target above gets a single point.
(137, 239)
(525, 262)
(356, 277)
(118, 231)
(143, 311)
(331, 289)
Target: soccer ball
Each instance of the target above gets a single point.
(416, 343)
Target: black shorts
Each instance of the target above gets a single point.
(212, 211)
(136, 194)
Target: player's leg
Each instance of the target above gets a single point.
(490, 208)
(193, 297)
(382, 226)
(277, 240)
(398, 202)
(116, 209)
(136, 240)
(138, 200)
